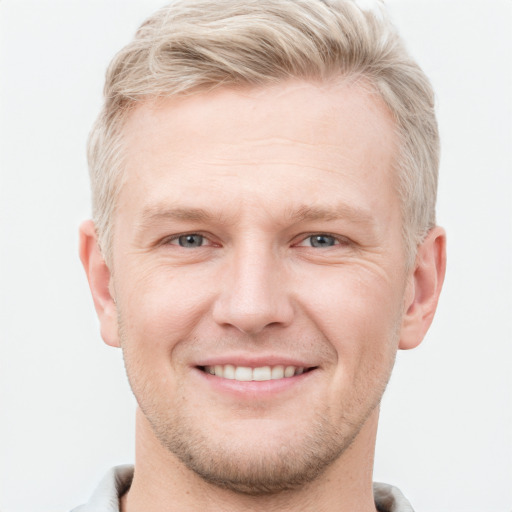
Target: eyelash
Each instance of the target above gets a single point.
(337, 240)
(176, 238)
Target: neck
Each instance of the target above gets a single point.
(162, 483)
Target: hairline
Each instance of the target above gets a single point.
(362, 80)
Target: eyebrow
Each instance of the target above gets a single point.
(338, 212)
(155, 213)
(304, 213)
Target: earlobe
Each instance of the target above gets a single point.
(99, 277)
(424, 288)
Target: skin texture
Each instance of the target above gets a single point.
(255, 173)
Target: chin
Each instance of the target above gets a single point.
(257, 461)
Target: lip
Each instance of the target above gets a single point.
(253, 391)
(255, 361)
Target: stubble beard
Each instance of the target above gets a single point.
(242, 468)
(250, 470)
(237, 466)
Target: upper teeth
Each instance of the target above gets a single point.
(245, 373)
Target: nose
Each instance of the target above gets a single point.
(254, 293)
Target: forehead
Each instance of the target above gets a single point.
(232, 141)
(285, 110)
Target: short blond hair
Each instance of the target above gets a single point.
(197, 45)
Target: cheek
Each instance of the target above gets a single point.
(157, 316)
(359, 313)
(354, 296)
(164, 301)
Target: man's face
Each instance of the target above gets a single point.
(258, 236)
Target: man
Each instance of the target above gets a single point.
(264, 240)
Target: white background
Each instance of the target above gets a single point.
(66, 413)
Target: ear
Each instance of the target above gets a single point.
(100, 283)
(423, 288)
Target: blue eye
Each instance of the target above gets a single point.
(322, 241)
(190, 241)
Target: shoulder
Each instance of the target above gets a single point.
(106, 496)
(390, 499)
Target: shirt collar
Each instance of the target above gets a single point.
(118, 480)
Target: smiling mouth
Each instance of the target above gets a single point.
(261, 373)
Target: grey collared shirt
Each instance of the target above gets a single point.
(118, 480)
